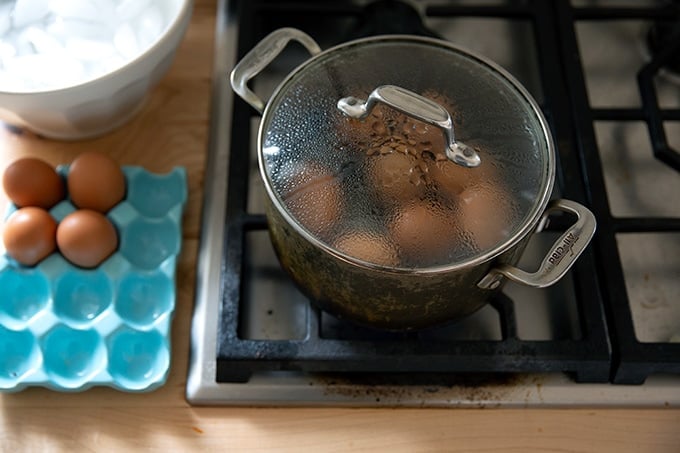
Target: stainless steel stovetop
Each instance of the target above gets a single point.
(637, 186)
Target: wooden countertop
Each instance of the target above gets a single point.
(172, 130)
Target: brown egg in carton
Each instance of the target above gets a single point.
(70, 326)
(85, 237)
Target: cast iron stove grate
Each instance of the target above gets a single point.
(597, 279)
(633, 360)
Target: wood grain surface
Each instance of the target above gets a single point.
(171, 130)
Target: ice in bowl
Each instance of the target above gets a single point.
(77, 40)
(77, 68)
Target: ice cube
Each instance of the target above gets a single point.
(5, 18)
(18, 40)
(125, 41)
(149, 26)
(126, 10)
(65, 72)
(89, 50)
(11, 82)
(63, 29)
(94, 69)
(42, 41)
(26, 12)
(46, 71)
(7, 51)
(99, 11)
(111, 64)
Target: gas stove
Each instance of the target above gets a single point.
(606, 334)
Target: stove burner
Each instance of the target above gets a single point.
(389, 17)
(663, 40)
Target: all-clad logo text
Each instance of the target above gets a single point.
(561, 251)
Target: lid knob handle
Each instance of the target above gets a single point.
(418, 107)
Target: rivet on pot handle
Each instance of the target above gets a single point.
(260, 56)
(561, 256)
(418, 107)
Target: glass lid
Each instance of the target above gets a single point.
(404, 152)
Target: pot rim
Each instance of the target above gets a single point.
(528, 226)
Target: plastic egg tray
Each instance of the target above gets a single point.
(69, 328)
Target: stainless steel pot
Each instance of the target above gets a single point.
(378, 211)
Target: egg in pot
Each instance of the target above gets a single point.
(485, 213)
(425, 232)
(367, 246)
(29, 235)
(395, 176)
(315, 198)
(86, 238)
(449, 178)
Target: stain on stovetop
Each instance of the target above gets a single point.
(484, 389)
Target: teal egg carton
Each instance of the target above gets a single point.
(68, 328)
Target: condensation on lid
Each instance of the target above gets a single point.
(381, 190)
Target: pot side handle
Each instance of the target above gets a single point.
(561, 256)
(259, 58)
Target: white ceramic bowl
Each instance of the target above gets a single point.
(100, 105)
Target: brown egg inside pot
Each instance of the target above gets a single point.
(425, 231)
(485, 212)
(395, 176)
(314, 197)
(367, 246)
(450, 179)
